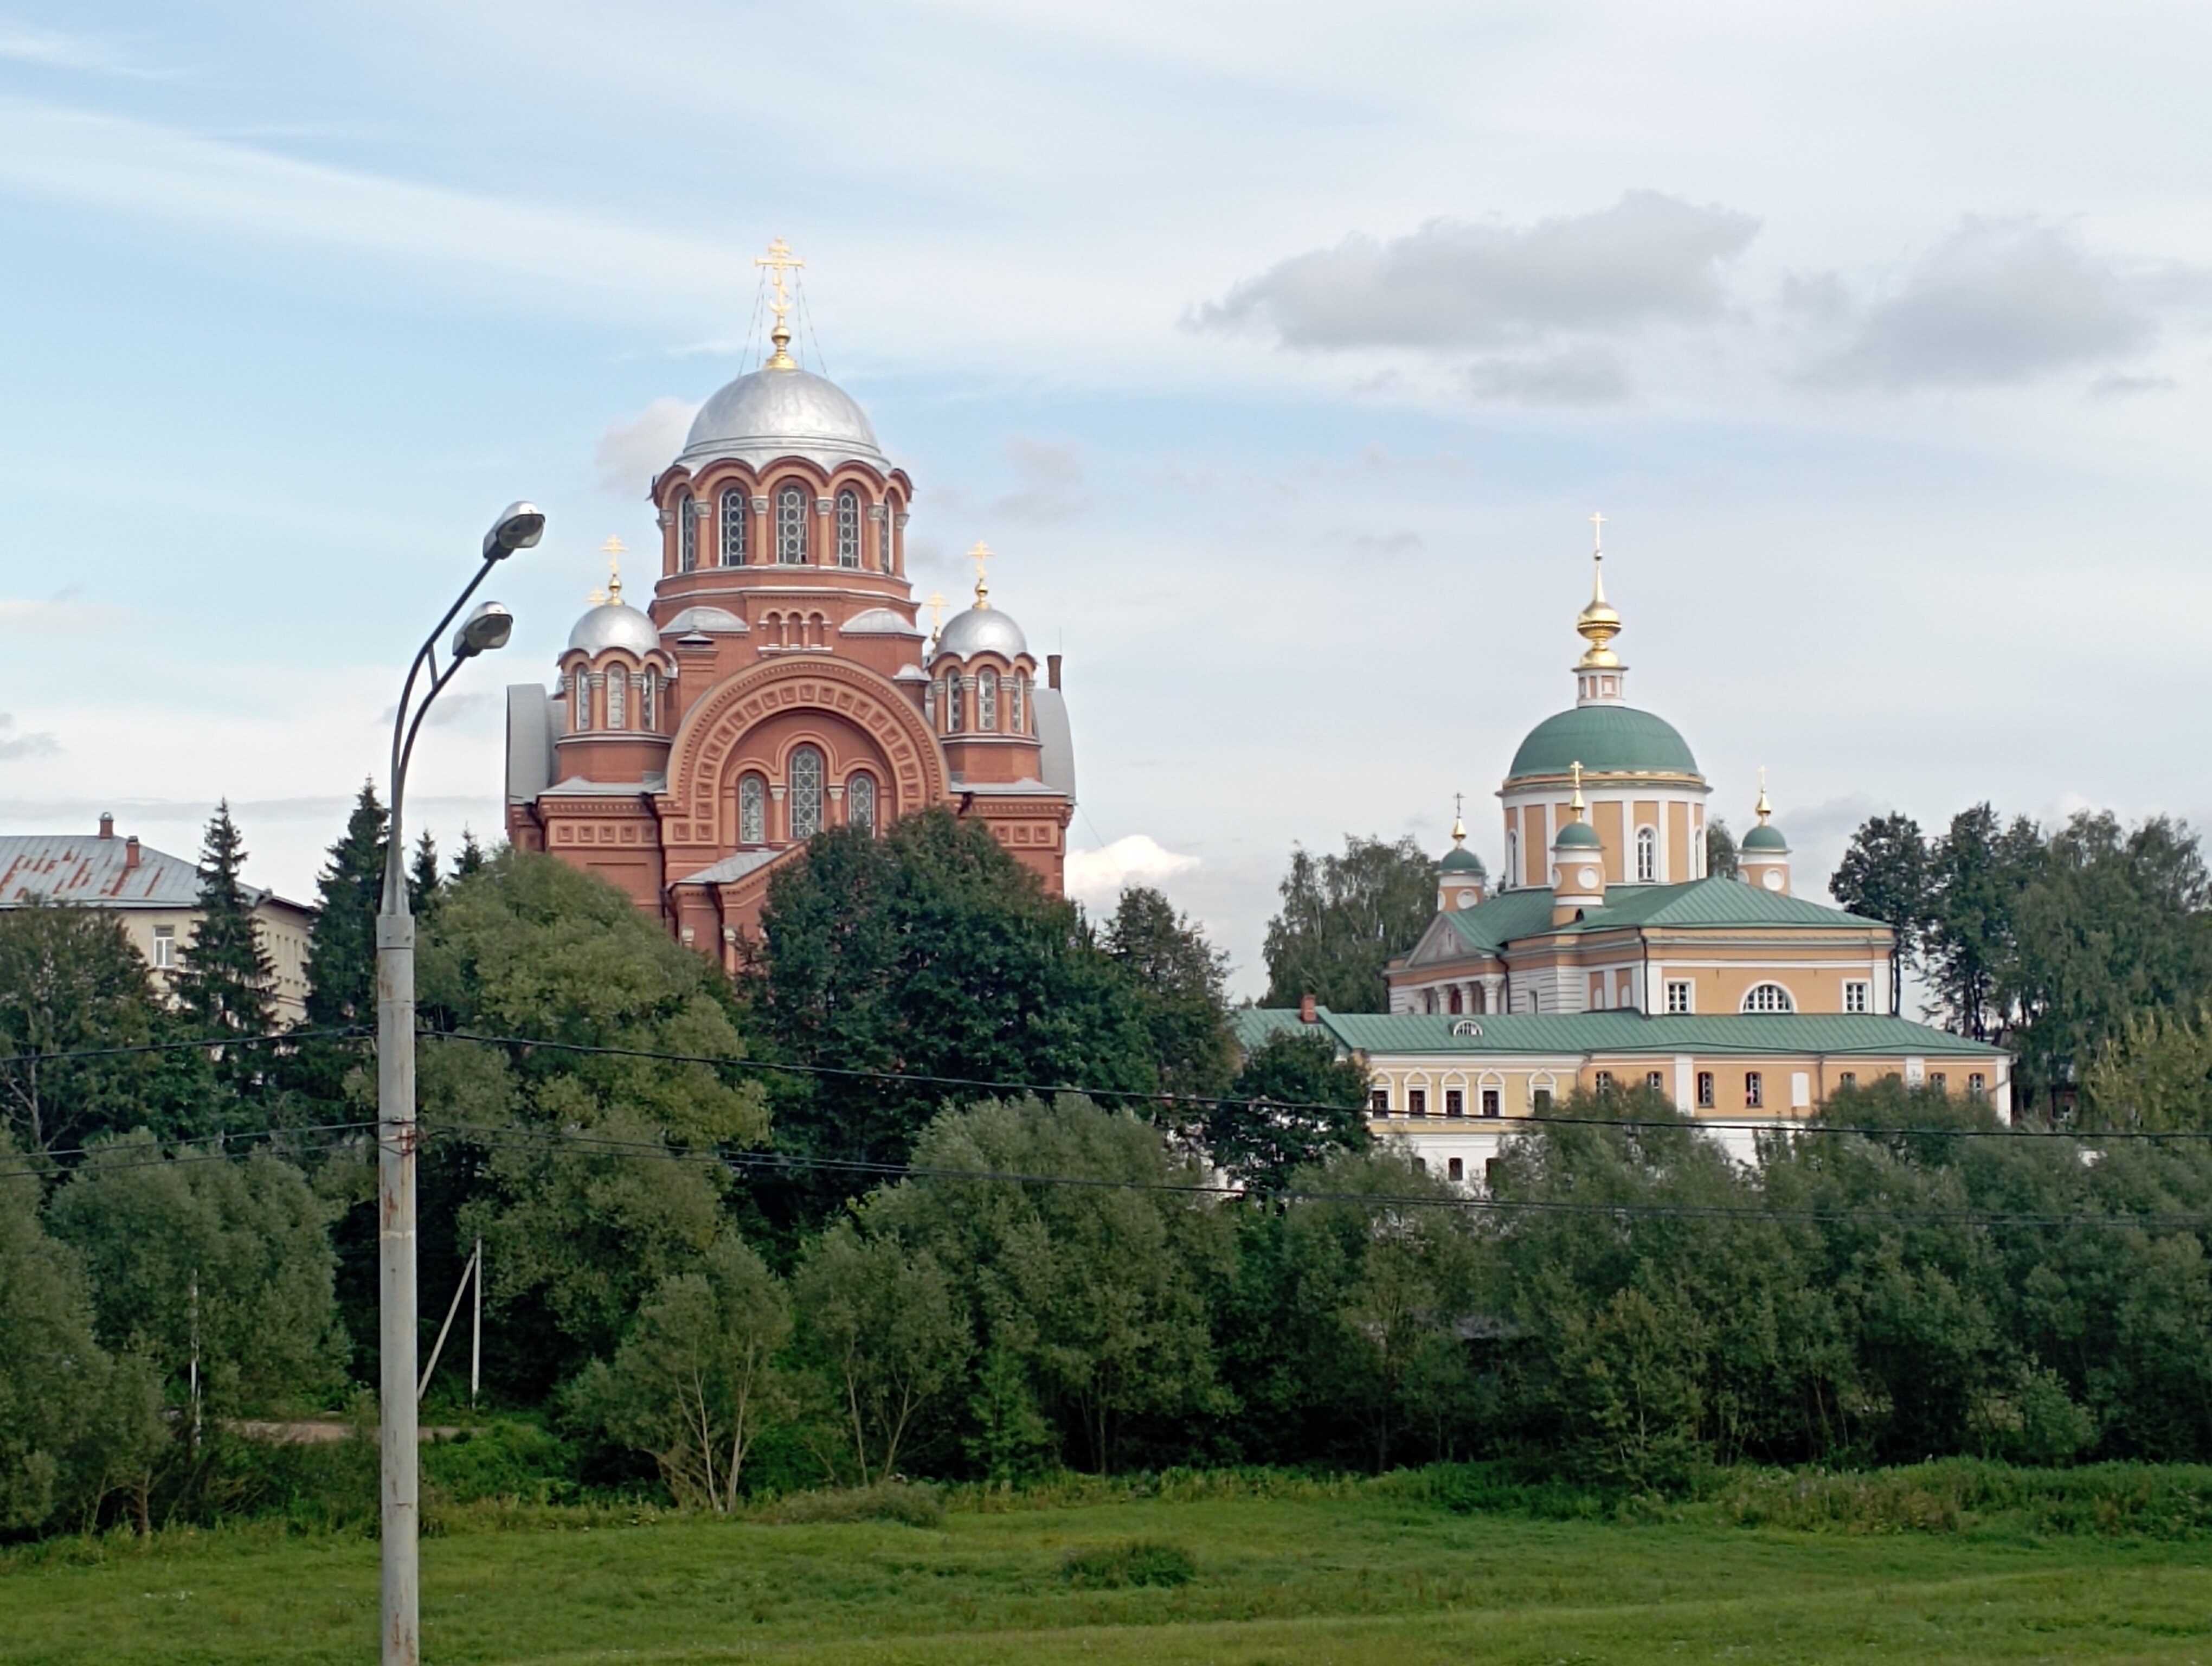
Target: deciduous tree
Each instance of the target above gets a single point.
(1343, 917)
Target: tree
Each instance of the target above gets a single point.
(218, 1270)
(928, 952)
(1176, 979)
(224, 986)
(422, 880)
(342, 942)
(1343, 918)
(1721, 862)
(1885, 876)
(879, 1321)
(1293, 1104)
(71, 982)
(1976, 872)
(592, 1176)
(75, 1420)
(473, 856)
(1092, 1291)
(695, 1381)
(2154, 1074)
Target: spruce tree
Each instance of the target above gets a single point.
(422, 874)
(473, 856)
(224, 986)
(342, 949)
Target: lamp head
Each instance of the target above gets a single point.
(519, 525)
(488, 627)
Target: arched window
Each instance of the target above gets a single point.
(687, 534)
(1647, 854)
(860, 804)
(931, 698)
(1768, 998)
(791, 525)
(1513, 857)
(986, 701)
(752, 810)
(579, 701)
(952, 704)
(848, 528)
(648, 699)
(736, 512)
(1018, 703)
(617, 697)
(806, 799)
(884, 536)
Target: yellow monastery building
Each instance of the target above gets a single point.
(1607, 955)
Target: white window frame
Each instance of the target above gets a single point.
(165, 948)
(1860, 990)
(1687, 988)
(735, 504)
(1647, 854)
(1782, 989)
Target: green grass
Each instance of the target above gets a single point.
(1315, 1576)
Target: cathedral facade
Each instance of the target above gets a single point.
(779, 681)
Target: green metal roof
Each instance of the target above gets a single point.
(1459, 860)
(1604, 740)
(1765, 836)
(1834, 1034)
(1511, 915)
(1577, 835)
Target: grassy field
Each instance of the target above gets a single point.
(1356, 1579)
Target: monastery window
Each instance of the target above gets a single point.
(1017, 703)
(165, 948)
(1654, 1082)
(931, 698)
(952, 705)
(1678, 995)
(1378, 1102)
(1856, 996)
(752, 810)
(1847, 1078)
(1455, 1102)
(1539, 1101)
(848, 528)
(1754, 1089)
(860, 804)
(648, 699)
(1417, 1102)
(1704, 1090)
(1490, 1102)
(579, 701)
(687, 533)
(1647, 854)
(1977, 1086)
(1605, 1084)
(1768, 998)
(1456, 1168)
(1512, 856)
(617, 697)
(884, 541)
(1940, 1082)
(791, 525)
(735, 513)
(986, 701)
(806, 798)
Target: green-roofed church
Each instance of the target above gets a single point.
(1605, 953)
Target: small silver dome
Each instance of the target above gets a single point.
(614, 625)
(712, 621)
(982, 630)
(782, 413)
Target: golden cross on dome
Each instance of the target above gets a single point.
(1597, 535)
(936, 614)
(1459, 819)
(1577, 806)
(779, 260)
(1763, 809)
(981, 555)
(614, 550)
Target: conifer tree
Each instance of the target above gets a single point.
(224, 986)
(342, 950)
(422, 874)
(473, 856)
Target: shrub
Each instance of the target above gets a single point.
(885, 1501)
(1132, 1562)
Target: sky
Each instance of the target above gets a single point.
(1281, 351)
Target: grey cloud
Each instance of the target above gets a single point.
(1579, 375)
(2001, 301)
(629, 453)
(1650, 258)
(1052, 481)
(13, 745)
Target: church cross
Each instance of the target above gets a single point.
(779, 260)
(981, 555)
(1597, 533)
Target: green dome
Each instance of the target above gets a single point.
(1607, 740)
(1765, 836)
(1459, 860)
(1577, 835)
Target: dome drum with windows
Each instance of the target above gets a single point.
(779, 684)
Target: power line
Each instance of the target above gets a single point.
(259, 1038)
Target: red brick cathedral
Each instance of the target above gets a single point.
(778, 683)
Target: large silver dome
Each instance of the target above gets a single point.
(982, 630)
(615, 624)
(782, 413)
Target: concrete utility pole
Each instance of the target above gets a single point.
(488, 627)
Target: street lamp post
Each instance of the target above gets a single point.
(487, 627)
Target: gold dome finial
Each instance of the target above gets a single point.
(1576, 804)
(936, 616)
(779, 260)
(1764, 809)
(981, 555)
(1598, 625)
(614, 550)
(1459, 819)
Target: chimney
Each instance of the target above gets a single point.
(106, 825)
(1308, 1013)
(1052, 671)
(130, 851)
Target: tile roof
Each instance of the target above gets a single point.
(1747, 1033)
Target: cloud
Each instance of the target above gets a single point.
(1098, 876)
(1052, 481)
(52, 49)
(1585, 374)
(63, 614)
(1453, 286)
(629, 454)
(13, 745)
(1997, 302)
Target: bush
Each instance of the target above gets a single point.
(1132, 1562)
(885, 1501)
(506, 1460)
